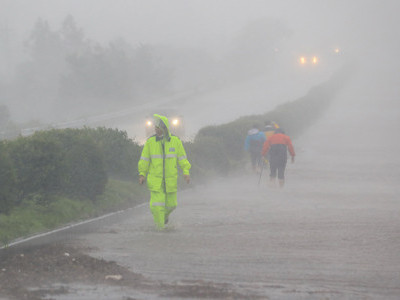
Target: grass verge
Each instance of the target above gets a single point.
(32, 218)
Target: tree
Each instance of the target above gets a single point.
(149, 75)
(72, 37)
(44, 45)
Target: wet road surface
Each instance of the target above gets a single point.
(331, 233)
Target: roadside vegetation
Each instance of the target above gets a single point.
(60, 176)
(219, 150)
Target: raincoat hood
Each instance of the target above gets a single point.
(253, 131)
(159, 120)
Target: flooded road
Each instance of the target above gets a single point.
(313, 239)
(333, 232)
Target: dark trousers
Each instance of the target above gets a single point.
(255, 159)
(277, 166)
(277, 160)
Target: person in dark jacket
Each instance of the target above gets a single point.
(277, 146)
(253, 144)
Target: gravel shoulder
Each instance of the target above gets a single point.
(57, 271)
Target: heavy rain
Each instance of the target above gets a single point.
(79, 84)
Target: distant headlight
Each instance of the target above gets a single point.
(149, 123)
(302, 60)
(175, 122)
(315, 60)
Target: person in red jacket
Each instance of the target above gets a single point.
(277, 146)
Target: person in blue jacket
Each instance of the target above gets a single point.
(253, 144)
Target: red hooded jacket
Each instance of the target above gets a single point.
(278, 138)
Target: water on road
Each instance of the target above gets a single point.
(333, 232)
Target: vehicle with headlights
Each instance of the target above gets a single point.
(304, 60)
(176, 124)
(308, 58)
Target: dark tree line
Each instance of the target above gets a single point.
(66, 75)
(69, 75)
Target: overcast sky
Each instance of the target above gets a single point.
(343, 23)
(366, 29)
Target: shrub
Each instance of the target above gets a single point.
(85, 171)
(57, 162)
(120, 153)
(207, 153)
(38, 163)
(218, 148)
(7, 181)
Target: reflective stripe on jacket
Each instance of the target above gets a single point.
(159, 161)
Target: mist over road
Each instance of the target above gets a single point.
(332, 232)
(256, 95)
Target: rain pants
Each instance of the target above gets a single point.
(158, 163)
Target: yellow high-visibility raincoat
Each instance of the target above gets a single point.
(159, 164)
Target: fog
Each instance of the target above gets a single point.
(238, 57)
(209, 23)
(332, 231)
(136, 52)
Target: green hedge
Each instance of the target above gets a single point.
(8, 182)
(64, 162)
(120, 153)
(220, 149)
(76, 164)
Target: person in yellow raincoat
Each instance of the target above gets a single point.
(161, 155)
